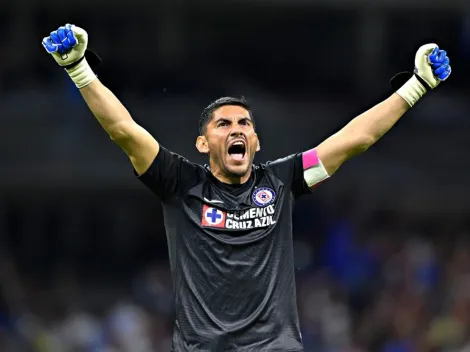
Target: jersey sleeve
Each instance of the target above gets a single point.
(302, 171)
(169, 175)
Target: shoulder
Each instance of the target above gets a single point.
(171, 174)
(281, 166)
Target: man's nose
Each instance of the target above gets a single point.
(236, 132)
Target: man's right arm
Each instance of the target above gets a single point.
(167, 174)
(137, 143)
(68, 46)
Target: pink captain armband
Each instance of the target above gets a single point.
(314, 171)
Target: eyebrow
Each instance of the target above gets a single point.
(224, 119)
(245, 119)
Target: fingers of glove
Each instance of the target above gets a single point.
(444, 75)
(440, 70)
(69, 40)
(437, 65)
(57, 42)
(61, 34)
(49, 45)
(442, 55)
(66, 45)
(55, 38)
(64, 38)
(72, 41)
(437, 58)
(433, 55)
(71, 35)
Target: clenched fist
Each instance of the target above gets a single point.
(68, 45)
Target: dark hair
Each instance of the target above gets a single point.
(206, 115)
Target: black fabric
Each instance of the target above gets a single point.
(231, 254)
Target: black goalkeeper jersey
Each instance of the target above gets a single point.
(231, 254)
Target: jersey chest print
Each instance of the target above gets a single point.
(261, 214)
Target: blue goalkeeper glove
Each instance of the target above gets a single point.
(432, 66)
(68, 46)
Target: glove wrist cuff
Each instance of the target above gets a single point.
(81, 74)
(412, 91)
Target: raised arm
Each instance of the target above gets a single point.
(137, 143)
(361, 133)
(431, 67)
(67, 46)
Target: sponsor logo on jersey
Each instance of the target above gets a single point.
(240, 220)
(213, 217)
(263, 196)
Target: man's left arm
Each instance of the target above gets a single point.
(431, 67)
(360, 133)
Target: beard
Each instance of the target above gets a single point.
(228, 168)
(240, 171)
(234, 170)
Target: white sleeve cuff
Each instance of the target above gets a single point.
(412, 91)
(314, 171)
(81, 74)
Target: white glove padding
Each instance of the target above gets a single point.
(423, 65)
(431, 68)
(67, 45)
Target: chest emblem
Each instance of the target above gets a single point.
(213, 217)
(263, 196)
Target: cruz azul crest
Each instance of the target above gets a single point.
(263, 196)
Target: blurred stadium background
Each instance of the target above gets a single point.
(382, 249)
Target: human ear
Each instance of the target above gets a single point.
(202, 145)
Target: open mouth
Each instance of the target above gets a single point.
(237, 150)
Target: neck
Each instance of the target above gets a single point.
(228, 178)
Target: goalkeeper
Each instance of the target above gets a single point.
(228, 223)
